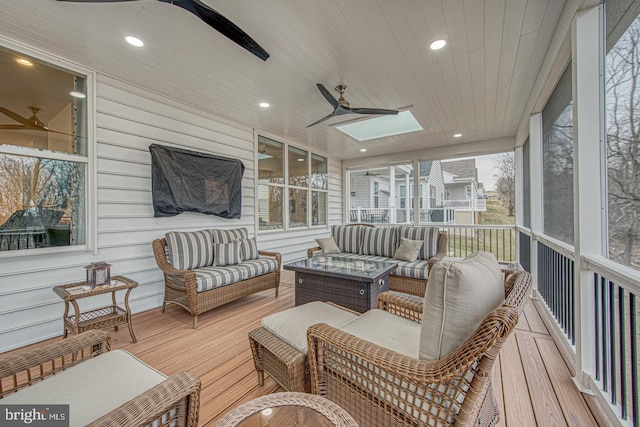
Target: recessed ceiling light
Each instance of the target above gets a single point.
(77, 94)
(457, 135)
(264, 104)
(25, 62)
(363, 149)
(438, 44)
(134, 41)
(301, 159)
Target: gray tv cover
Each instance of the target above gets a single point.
(184, 180)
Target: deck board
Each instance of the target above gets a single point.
(532, 382)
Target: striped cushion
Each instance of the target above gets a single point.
(378, 241)
(347, 237)
(363, 257)
(226, 254)
(429, 235)
(228, 236)
(258, 267)
(189, 250)
(248, 249)
(214, 277)
(416, 270)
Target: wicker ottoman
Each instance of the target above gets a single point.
(279, 346)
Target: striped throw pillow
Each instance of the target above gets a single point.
(248, 249)
(189, 250)
(226, 254)
(378, 241)
(228, 236)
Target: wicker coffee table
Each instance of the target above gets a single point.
(340, 281)
(288, 409)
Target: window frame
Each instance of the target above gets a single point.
(286, 187)
(90, 190)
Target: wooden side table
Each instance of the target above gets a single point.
(99, 318)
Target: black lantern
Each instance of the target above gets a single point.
(98, 273)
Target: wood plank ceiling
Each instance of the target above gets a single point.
(478, 85)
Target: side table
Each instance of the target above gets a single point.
(99, 318)
(287, 409)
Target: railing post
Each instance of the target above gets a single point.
(359, 215)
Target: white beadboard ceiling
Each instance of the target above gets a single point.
(478, 85)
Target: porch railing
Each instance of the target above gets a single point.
(471, 204)
(383, 216)
(500, 240)
(609, 300)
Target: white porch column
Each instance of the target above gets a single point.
(407, 203)
(535, 179)
(588, 177)
(392, 195)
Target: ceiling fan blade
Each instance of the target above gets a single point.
(372, 111)
(227, 28)
(12, 127)
(321, 120)
(15, 116)
(327, 95)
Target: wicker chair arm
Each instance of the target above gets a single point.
(276, 255)
(180, 389)
(400, 305)
(312, 251)
(20, 370)
(442, 249)
(495, 326)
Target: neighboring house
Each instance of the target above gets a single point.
(463, 191)
(387, 195)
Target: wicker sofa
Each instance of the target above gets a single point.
(208, 268)
(101, 387)
(366, 241)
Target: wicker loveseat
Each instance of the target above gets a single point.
(379, 369)
(364, 241)
(101, 387)
(208, 268)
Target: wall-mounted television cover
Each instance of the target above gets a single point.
(184, 180)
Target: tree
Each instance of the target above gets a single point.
(505, 180)
(623, 150)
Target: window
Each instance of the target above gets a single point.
(43, 154)
(622, 76)
(432, 196)
(270, 184)
(376, 194)
(304, 184)
(557, 161)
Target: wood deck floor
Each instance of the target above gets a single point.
(532, 381)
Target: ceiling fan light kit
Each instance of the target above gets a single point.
(214, 19)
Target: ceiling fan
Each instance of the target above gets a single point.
(211, 17)
(26, 123)
(341, 105)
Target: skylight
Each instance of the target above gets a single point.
(379, 127)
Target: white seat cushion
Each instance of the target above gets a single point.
(291, 325)
(92, 388)
(387, 330)
(459, 295)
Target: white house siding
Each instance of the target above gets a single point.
(128, 120)
(436, 179)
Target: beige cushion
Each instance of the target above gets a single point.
(328, 245)
(408, 250)
(459, 295)
(291, 325)
(92, 388)
(387, 330)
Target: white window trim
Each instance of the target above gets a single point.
(91, 190)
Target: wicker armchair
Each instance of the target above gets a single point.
(380, 387)
(174, 401)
